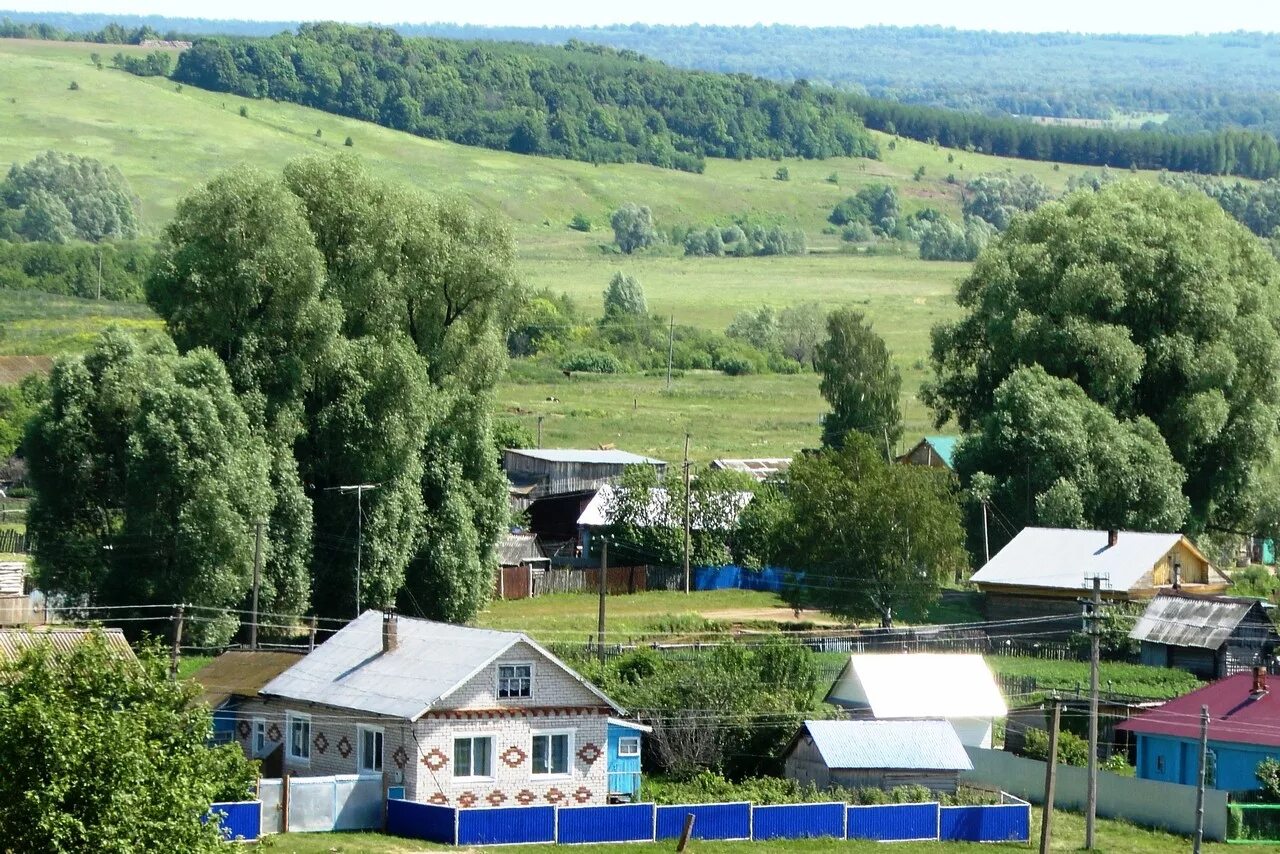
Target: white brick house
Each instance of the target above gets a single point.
(456, 715)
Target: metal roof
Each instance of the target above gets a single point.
(12, 575)
(241, 673)
(1206, 622)
(761, 468)
(1063, 558)
(430, 661)
(60, 638)
(929, 745)
(586, 455)
(1236, 714)
(919, 685)
(596, 513)
(515, 548)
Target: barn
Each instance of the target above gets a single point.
(1210, 636)
(877, 755)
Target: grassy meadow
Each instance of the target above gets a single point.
(168, 139)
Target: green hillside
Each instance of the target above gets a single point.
(168, 141)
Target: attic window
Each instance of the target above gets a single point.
(515, 681)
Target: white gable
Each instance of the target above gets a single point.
(919, 685)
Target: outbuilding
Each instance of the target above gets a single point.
(877, 755)
(1210, 636)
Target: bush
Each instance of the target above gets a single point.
(1072, 749)
(349, 142)
(244, 112)
(736, 366)
(74, 87)
(580, 223)
(591, 361)
(1268, 774)
(783, 174)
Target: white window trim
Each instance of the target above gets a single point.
(290, 718)
(258, 725)
(497, 679)
(568, 774)
(628, 739)
(361, 729)
(476, 778)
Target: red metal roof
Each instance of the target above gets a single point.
(1235, 715)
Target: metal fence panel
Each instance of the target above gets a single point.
(506, 825)
(711, 821)
(1010, 823)
(798, 821)
(240, 820)
(272, 812)
(311, 804)
(422, 821)
(893, 822)
(622, 823)
(357, 803)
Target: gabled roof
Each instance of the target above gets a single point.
(596, 513)
(585, 455)
(919, 685)
(515, 548)
(929, 745)
(430, 662)
(1062, 558)
(241, 673)
(761, 468)
(944, 448)
(1206, 622)
(1234, 714)
(60, 638)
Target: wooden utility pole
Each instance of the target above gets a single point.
(1093, 615)
(311, 634)
(359, 489)
(986, 541)
(686, 513)
(99, 274)
(1202, 779)
(671, 348)
(257, 581)
(1050, 778)
(686, 833)
(176, 648)
(604, 576)
(540, 431)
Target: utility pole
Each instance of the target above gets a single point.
(177, 641)
(257, 580)
(686, 513)
(540, 431)
(986, 541)
(604, 575)
(1202, 779)
(359, 489)
(1092, 617)
(671, 348)
(99, 274)
(1050, 778)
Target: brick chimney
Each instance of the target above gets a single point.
(1259, 682)
(1112, 537)
(390, 631)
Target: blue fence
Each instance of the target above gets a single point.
(238, 820)
(733, 577)
(647, 823)
(711, 821)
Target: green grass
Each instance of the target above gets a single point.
(189, 664)
(1157, 683)
(34, 323)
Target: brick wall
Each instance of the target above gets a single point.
(552, 686)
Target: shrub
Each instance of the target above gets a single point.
(1268, 774)
(244, 112)
(319, 133)
(349, 142)
(74, 87)
(1072, 749)
(591, 361)
(736, 366)
(580, 223)
(783, 174)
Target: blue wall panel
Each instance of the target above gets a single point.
(797, 821)
(624, 823)
(506, 825)
(711, 821)
(1010, 823)
(894, 822)
(241, 820)
(421, 821)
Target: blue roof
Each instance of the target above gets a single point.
(944, 447)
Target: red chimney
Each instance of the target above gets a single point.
(1259, 682)
(1112, 536)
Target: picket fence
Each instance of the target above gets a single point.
(1009, 821)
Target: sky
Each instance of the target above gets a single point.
(1109, 16)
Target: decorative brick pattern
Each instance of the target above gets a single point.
(467, 799)
(435, 759)
(273, 732)
(344, 747)
(496, 798)
(555, 796)
(525, 797)
(582, 794)
(243, 728)
(438, 798)
(513, 756)
(589, 753)
(400, 757)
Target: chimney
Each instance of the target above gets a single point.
(1112, 536)
(390, 631)
(1259, 683)
(1177, 575)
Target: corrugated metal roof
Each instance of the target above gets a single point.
(1199, 621)
(61, 638)
(761, 468)
(596, 513)
(918, 745)
(241, 673)
(431, 660)
(1064, 558)
(515, 548)
(1235, 714)
(12, 574)
(585, 455)
(919, 685)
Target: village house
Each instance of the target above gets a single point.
(1210, 636)
(454, 715)
(521, 562)
(877, 754)
(233, 678)
(954, 687)
(706, 510)
(932, 451)
(1243, 717)
(1044, 571)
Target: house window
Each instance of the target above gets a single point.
(551, 752)
(515, 680)
(629, 746)
(259, 737)
(299, 727)
(473, 756)
(370, 749)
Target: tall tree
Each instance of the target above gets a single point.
(68, 197)
(859, 381)
(1154, 303)
(624, 298)
(633, 227)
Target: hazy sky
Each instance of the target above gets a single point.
(1126, 16)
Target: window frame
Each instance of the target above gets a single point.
(497, 680)
(380, 740)
(258, 737)
(473, 737)
(570, 739)
(628, 739)
(292, 718)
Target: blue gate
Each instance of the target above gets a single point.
(422, 821)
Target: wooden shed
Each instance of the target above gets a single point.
(1210, 636)
(877, 754)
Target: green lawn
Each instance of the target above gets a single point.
(35, 323)
(1158, 683)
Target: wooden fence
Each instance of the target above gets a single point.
(13, 542)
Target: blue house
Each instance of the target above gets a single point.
(623, 756)
(1243, 714)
